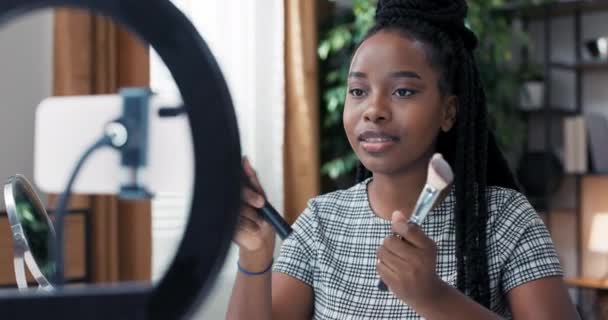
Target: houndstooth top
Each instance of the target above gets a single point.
(334, 242)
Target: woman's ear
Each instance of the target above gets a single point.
(450, 110)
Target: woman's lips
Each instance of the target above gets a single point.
(377, 147)
(376, 141)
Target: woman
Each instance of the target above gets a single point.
(483, 253)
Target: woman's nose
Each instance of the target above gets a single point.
(377, 111)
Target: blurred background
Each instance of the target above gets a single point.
(544, 64)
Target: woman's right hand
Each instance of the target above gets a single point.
(254, 235)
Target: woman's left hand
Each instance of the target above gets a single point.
(407, 261)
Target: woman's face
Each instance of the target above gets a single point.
(394, 110)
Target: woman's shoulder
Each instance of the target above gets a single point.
(519, 244)
(499, 196)
(509, 207)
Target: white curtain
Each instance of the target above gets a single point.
(246, 37)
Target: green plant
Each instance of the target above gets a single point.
(337, 43)
(339, 40)
(531, 72)
(501, 77)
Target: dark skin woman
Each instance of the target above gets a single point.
(399, 110)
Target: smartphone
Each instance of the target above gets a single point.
(66, 126)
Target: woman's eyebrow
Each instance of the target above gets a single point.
(405, 74)
(396, 74)
(357, 74)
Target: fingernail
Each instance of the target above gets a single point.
(395, 216)
(260, 201)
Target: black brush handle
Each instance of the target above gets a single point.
(271, 214)
(382, 286)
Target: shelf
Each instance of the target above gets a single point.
(588, 174)
(589, 283)
(581, 66)
(549, 203)
(550, 111)
(554, 9)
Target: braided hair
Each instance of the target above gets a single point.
(468, 148)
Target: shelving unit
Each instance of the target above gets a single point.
(550, 111)
(557, 9)
(545, 13)
(581, 66)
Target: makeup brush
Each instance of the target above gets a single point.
(439, 176)
(269, 213)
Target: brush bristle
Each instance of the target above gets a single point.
(440, 174)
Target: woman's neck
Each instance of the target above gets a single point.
(388, 193)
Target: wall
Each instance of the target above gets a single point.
(25, 79)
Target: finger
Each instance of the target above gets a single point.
(252, 176)
(245, 230)
(409, 231)
(251, 213)
(417, 237)
(247, 166)
(400, 248)
(247, 225)
(386, 274)
(391, 260)
(398, 223)
(253, 198)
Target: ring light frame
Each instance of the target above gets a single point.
(217, 165)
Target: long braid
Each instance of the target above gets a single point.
(481, 260)
(461, 215)
(469, 182)
(468, 148)
(472, 183)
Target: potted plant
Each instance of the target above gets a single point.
(532, 91)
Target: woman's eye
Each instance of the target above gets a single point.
(404, 92)
(356, 92)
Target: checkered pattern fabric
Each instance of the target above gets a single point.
(334, 243)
